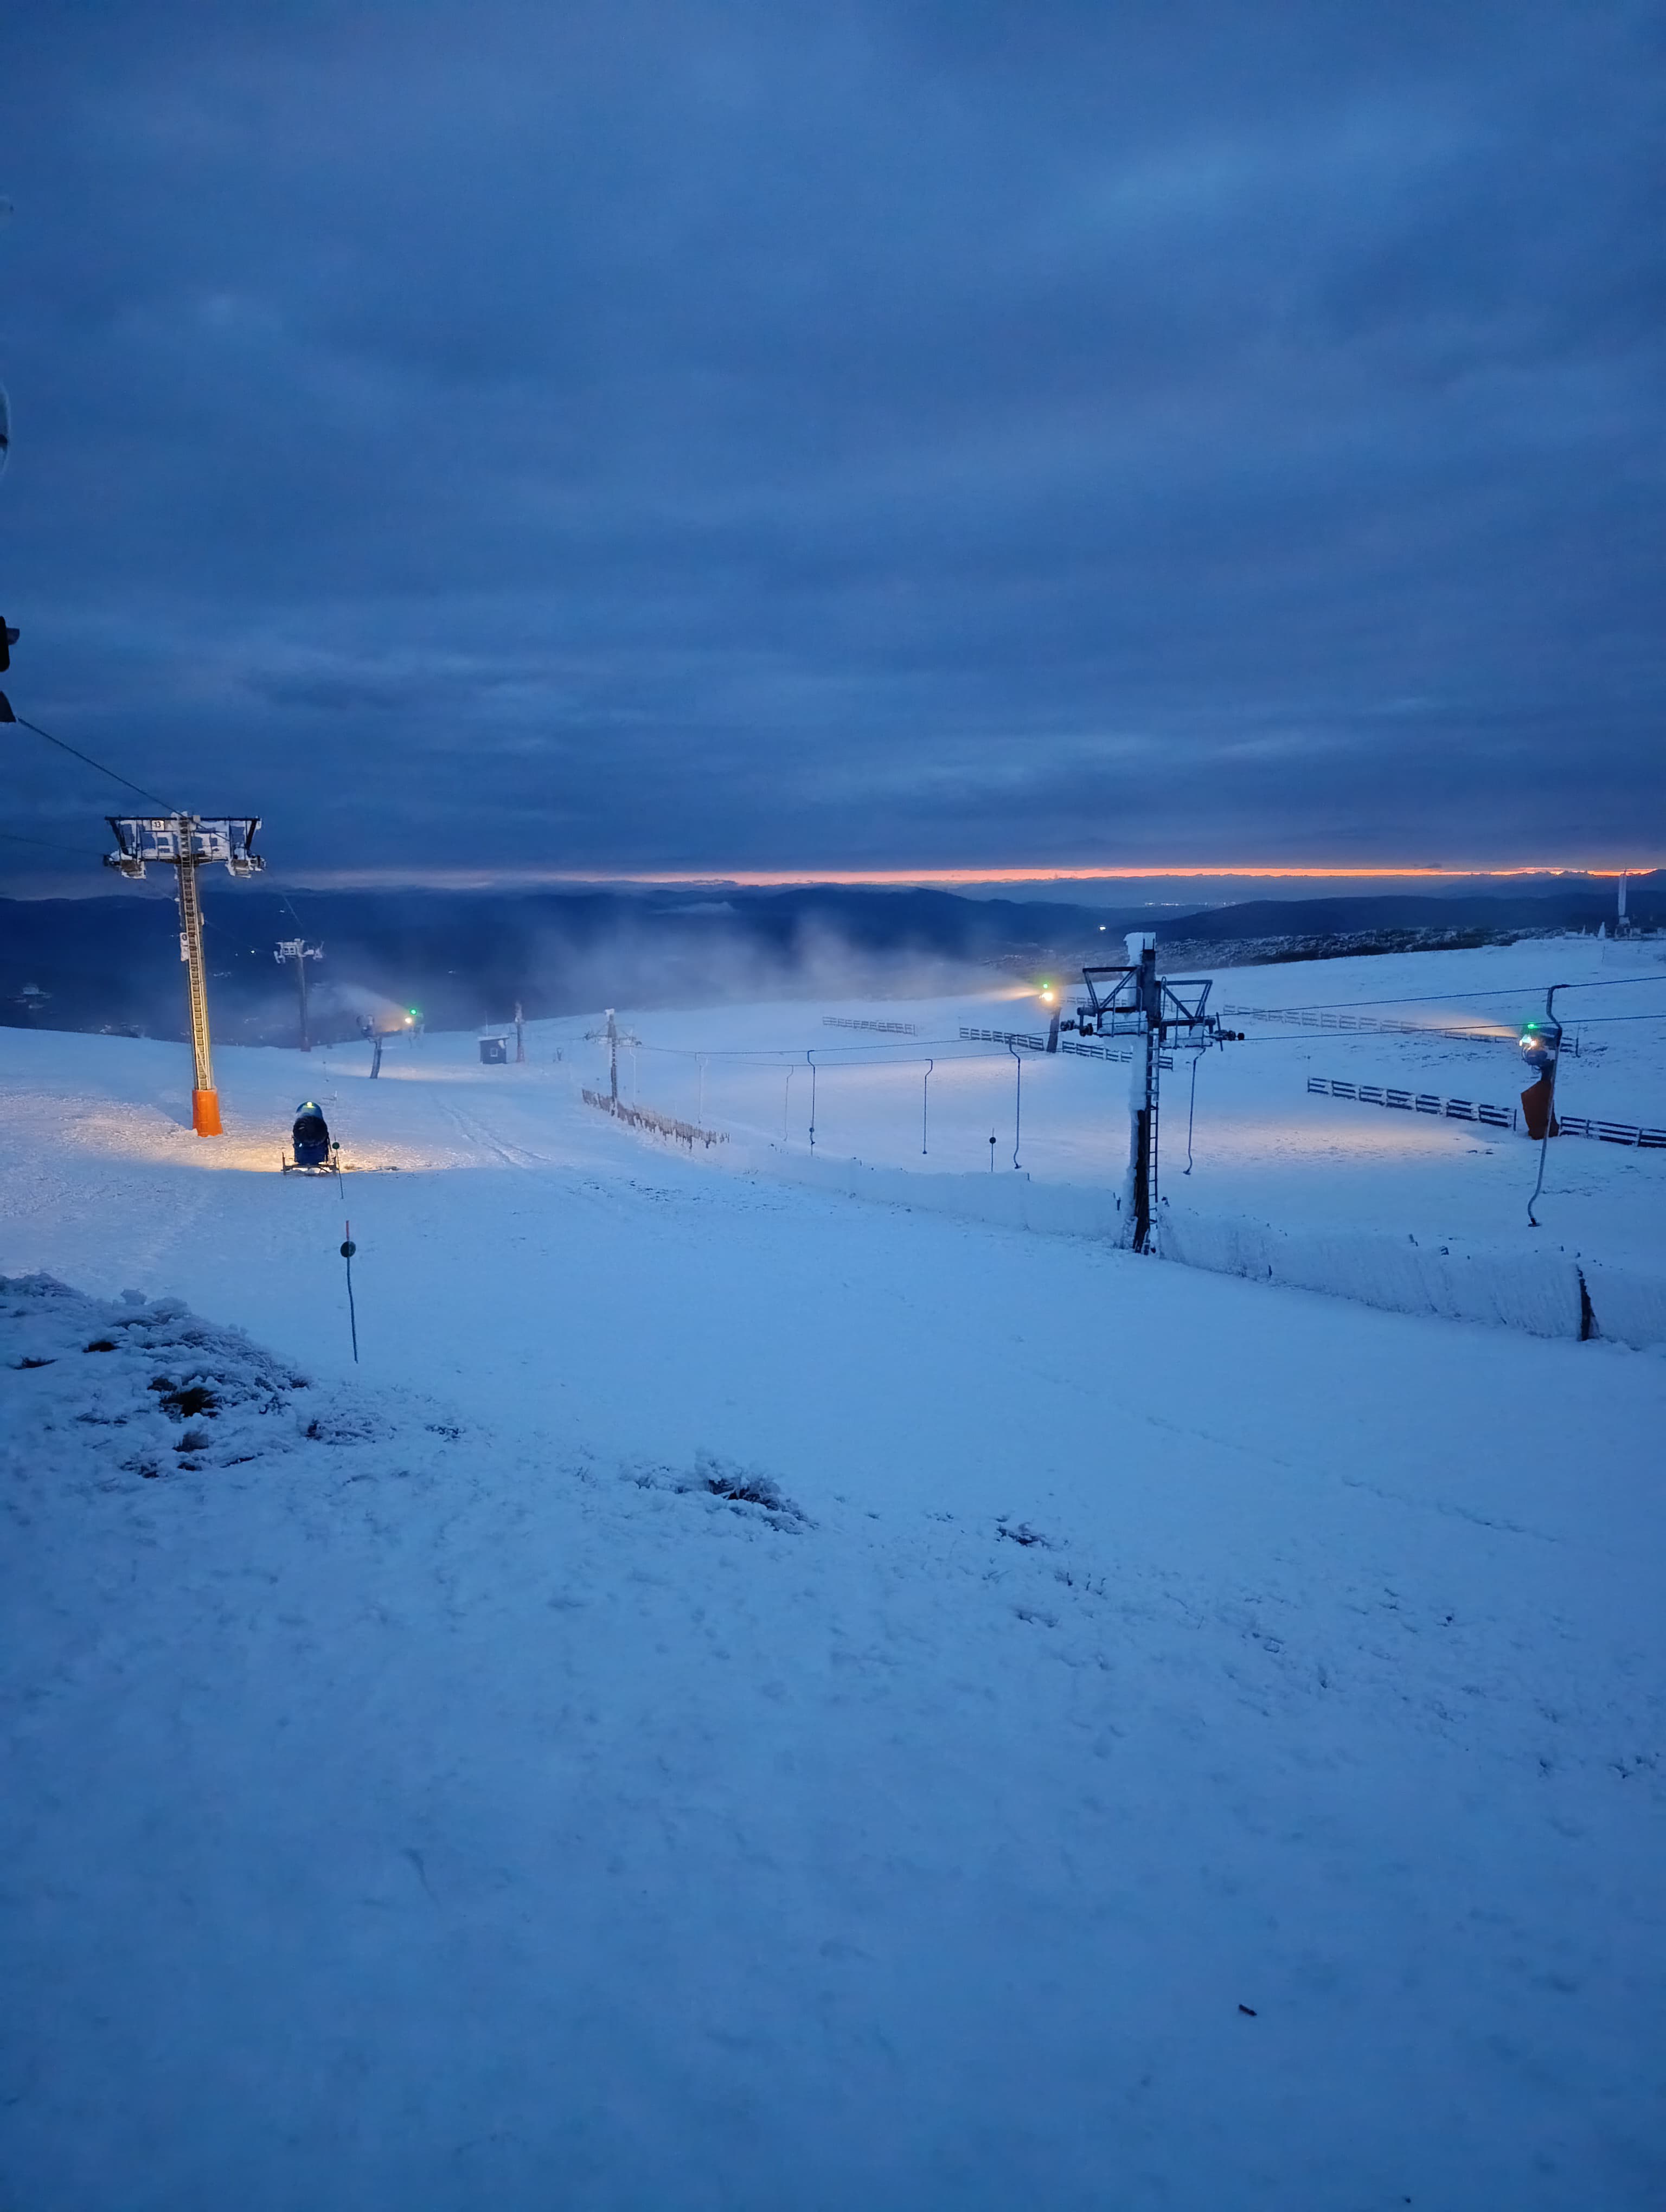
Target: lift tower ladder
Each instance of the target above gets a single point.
(187, 843)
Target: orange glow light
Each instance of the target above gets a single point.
(952, 878)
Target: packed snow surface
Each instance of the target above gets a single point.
(744, 1699)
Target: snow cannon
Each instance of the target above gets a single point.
(1540, 1043)
(311, 1136)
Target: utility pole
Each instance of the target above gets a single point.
(187, 843)
(1136, 1001)
(296, 949)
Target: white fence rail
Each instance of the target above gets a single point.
(1417, 1102)
(1495, 1117)
(1028, 1044)
(1310, 1019)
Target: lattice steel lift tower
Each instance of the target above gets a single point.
(1136, 1001)
(298, 950)
(187, 843)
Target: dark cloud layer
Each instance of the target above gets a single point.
(640, 436)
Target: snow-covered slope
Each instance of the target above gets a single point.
(743, 1699)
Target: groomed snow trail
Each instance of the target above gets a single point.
(445, 1785)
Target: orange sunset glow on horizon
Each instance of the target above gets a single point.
(953, 878)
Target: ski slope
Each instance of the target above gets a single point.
(742, 1698)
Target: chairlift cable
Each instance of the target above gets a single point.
(1440, 998)
(24, 723)
(47, 844)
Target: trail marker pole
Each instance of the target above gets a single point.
(925, 1104)
(348, 1249)
(187, 843)
(1018, 1105)
(811, 1057)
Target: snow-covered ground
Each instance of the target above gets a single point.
(745, 1700)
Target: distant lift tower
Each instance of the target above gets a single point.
(615, 1036)
(187, 843)
(297, 949)
(1135, 1001)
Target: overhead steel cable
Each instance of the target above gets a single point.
(1440, 998)
(1433, 1036)
(24, 723)
(47, 844)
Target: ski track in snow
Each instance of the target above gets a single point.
(428, 1789)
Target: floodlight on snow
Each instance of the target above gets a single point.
(187, 843)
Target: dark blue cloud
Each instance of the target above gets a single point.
(640, 436)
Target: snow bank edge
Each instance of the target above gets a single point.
(1542, 1294)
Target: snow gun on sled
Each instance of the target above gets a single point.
(315, 1152)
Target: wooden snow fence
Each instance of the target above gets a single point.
(686, 1133)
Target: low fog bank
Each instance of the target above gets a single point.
(461, 959)
(464, 958)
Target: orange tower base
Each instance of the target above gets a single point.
(206, 1112)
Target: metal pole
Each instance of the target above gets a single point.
(205, 1099)
(811, 1057)
(1550, 1105)
(1017, 1101)
(925, 1104)
(348, 1249)
(1142, 1104)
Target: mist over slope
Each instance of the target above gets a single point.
(111, 962)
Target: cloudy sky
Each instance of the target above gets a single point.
(904, 434)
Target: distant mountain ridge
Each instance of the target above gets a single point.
(464, 957)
